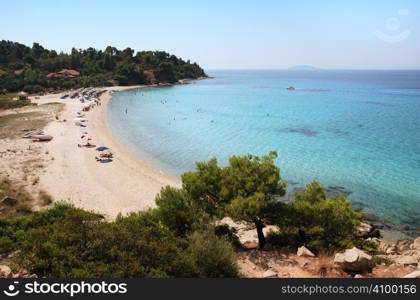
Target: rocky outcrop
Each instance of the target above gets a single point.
(245, 231)
(14, 271)
(303, 251)
(368, 230)
(406, 260)
(354, 260)
(403, 252)
(416, 244)
(402, 246)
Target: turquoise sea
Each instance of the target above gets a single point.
(355, 131)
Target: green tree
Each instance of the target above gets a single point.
(213, 255)
(108, 61)
(99, 67)
(166, 73)
(75, 58)
(246, 189)
(321, 223)
(68, 242)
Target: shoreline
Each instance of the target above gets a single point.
(75, 176)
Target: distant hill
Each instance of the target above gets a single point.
(34, 69)
(304, 68)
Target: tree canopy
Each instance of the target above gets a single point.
(246, 189)
(23, 68)
(69, 242)
(318, 221)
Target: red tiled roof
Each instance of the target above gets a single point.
(69, 72)
(65, 73)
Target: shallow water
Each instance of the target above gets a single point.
(358, 130)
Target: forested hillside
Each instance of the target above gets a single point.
(33, 69)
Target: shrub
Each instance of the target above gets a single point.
(245, 190)
(320, 222)
(31, 89)
(69, 242)
(213, 255)
(177, 210)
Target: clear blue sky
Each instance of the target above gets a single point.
(229, 34)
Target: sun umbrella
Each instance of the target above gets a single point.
(102, 148)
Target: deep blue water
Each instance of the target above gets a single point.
(356, 129)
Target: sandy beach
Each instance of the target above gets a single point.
(124, 185)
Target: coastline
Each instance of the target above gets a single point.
(126, 184)
(129, 183)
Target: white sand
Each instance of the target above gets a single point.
(126, 184)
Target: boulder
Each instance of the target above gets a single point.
(354, 260)
(5, 271)
(416, 244)
(391, 250)
(415, 274)
(303, 251)
(269, 274)
(406, 260)
(364, 228)
(368, 230)
(245, 231)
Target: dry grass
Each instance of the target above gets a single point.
(13, 124)
(12, 190)
(325, 264)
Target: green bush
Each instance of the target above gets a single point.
(177, 210)
(31, 89)
(213, 256)
(320, 222)
(245, 190)
(69, 242)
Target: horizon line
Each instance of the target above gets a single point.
(311, 70)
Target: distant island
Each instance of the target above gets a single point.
(304, 68)
(36, 69)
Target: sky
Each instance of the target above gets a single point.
(230, 34)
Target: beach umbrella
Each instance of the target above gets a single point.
(102, 148)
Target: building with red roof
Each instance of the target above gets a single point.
(64, 73)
